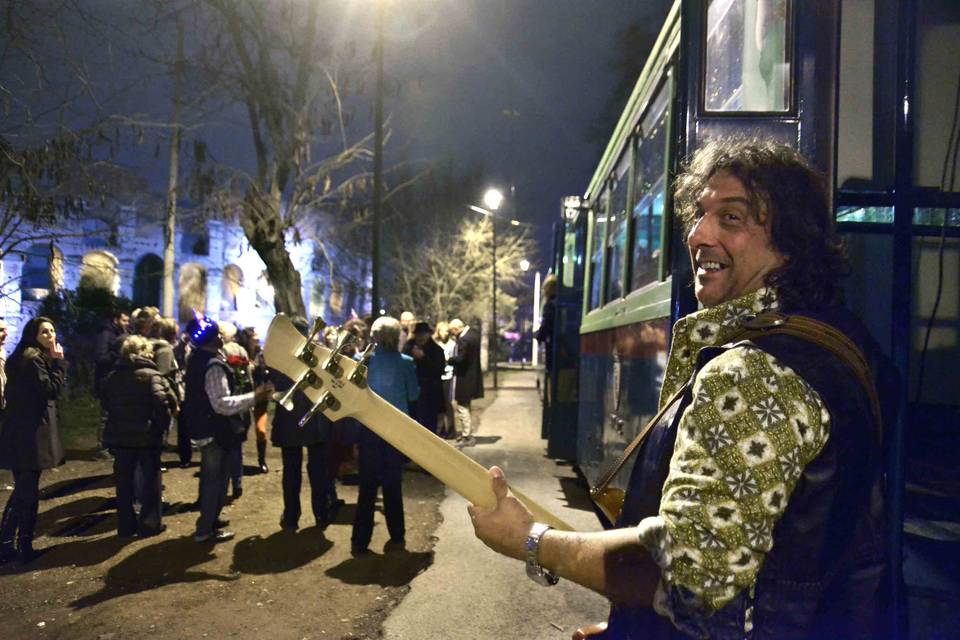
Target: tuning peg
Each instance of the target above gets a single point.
(326, 401)
(285, 399)
(333, 362)
(306, 354)
(367, 353)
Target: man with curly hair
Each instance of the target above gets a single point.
(754, 508)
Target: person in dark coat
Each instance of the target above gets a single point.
(214, 411)
(291, 438)
(106, 354)
(468, 385)
(30, 436)
(392, 376)
(139, 402)
(430, 361)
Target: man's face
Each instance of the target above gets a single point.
(123, 321)
(730, 246)
(421, 338)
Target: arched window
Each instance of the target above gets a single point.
(230, 285)
(99, 271)
(35, 277)
(148, 281)
(193, 290)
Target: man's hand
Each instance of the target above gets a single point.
(505, 527)
(417, 352)
(264, 392)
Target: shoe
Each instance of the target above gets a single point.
(216, 536)
(125, 535)
(469, 441)
(395, 544)
(103, 454)
(358, 550)
(287, 526)
(237, 492)
(184, 465)
(221, 523)
(7, 552)
(264, 468)
(149, 533)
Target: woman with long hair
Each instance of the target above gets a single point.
(30, 437)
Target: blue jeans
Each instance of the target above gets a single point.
(214, 477)
(236, 465)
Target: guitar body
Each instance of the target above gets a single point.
(336, 385)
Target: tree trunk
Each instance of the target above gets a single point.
(284, 277)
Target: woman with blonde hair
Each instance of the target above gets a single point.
(138, 401)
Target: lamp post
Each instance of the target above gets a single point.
(493, 199)
(377, 166)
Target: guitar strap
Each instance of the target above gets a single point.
(610, 500)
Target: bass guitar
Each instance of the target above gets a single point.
(336, 384)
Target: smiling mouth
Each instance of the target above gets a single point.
(709, 266)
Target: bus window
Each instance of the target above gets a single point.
(649, 189)
(596, 251)
(747, 65)
(617, 242)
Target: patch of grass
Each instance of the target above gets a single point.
(79, 416)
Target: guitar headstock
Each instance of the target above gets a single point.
(336, 384)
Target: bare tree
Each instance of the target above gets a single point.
(272, 59)
(450, 273)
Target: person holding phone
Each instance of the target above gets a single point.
(30, 437)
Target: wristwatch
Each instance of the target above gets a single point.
(532, 544)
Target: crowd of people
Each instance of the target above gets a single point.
(210, 385)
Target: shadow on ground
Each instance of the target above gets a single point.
(486, 439)
(576, 493)
(76, 485)
(169, 561)
(392, 569)
(84, 553)
(282, 551)
(84, 516)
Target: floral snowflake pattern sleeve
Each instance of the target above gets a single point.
(741, 446)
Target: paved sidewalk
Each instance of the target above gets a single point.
(471, 592)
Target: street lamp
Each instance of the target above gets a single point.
(524, 265)
(493, 199)
(377, 164)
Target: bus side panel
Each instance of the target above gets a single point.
(620, 383)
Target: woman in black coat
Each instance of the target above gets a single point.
(30, 437)
(138, 401)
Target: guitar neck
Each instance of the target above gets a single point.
(446, 463)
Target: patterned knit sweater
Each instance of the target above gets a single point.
(741, 446)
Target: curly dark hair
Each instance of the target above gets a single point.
(781, 184)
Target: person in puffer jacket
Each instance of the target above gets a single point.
(139, 402)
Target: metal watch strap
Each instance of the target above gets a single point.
(532, 544)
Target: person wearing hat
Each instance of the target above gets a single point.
(429, 358)
(215, 413)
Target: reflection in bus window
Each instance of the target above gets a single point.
(616, 245)
(596, 252)
(747, 68)
(649, 189)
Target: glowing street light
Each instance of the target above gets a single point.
(524, 265)
(493, 199)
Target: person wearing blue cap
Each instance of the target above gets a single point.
(214, 411)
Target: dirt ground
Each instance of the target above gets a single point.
(263, 584)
